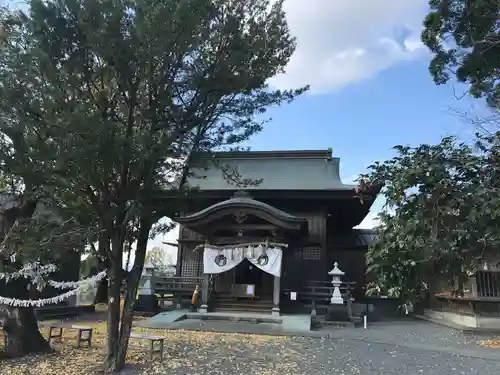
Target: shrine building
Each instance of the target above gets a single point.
(265, 227)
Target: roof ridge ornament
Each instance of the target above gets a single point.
(329, 158)
(241, 194)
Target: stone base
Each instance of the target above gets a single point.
(275, 311)
(146, 303)
(337, 313)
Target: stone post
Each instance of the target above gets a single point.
(336, 296)
(276, 296)
(204, 293)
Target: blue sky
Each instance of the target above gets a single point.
(370, 86)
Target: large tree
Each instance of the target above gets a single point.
(442, 217)
(40, 240)
(159, 258)
(464, 36)
(117, 98)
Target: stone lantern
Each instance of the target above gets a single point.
(146, 301)
(336, 296)
(145, 286)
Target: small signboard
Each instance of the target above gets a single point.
(293, 296)
(250, 290)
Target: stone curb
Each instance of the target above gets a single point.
(460, 328)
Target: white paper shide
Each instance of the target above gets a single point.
(218, 260)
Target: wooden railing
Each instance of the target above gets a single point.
(175, 285)
(316, 295)
(323, 288)
(488, 284)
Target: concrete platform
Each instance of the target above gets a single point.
(289, 325)
(163, 318)
(236, 317)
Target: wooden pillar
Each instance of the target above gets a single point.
(180, 252)
(276, 296)
(204, 293)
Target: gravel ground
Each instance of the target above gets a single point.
(393, 348)
(310, 356)
(399, 348)
(357, 357)
(415, 332)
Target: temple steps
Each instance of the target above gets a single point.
(228, 303)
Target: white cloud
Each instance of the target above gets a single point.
(341, 42)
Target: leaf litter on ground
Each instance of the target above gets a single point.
(186, 351)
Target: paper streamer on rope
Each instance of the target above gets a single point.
(82, 284)
(217, 260)
(77, 284)
(29, 271)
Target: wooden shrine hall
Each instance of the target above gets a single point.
(265, 241)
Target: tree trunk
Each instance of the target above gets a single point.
(125, 329)
(102, 292)
(113, 320)
(21, 334)
(131, 293)
(20, 326)
(115, 276)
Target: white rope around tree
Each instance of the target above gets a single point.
(30, 271)
(80, 285)
(77, 284)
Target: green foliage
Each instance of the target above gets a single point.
(114, 97)
(104, 102)
(464, 36)
(158, 257)
(48, 235)
(442, 215)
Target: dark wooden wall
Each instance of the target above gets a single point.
(305, 259)
(189, 261)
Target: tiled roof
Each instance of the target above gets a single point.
(278, 170)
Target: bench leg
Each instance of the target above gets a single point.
(57, 335)
(81, 339)
(151, 349)
(161, 350)
(89, 339)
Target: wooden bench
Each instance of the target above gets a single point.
(56, 332)
(152, 340)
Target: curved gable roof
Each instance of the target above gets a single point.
(249, 205)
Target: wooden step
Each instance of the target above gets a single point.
(226, 302)
(244, 305)
(249, 302)
(266, 296)
(242, 310)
